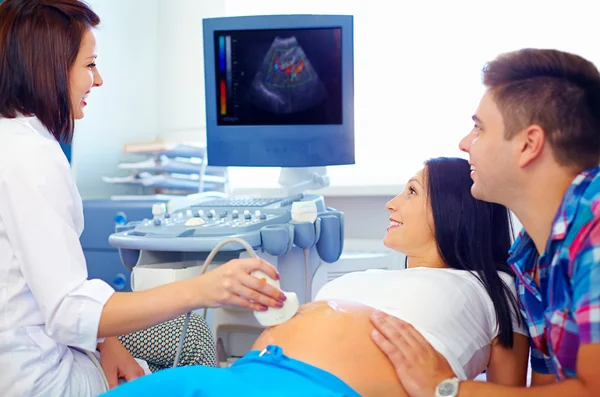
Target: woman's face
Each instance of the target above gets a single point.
(83, 75)
(411, 229)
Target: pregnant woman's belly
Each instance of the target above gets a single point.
(336, 336)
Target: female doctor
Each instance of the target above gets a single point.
(49, 311)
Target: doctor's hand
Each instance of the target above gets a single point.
(232, 284)
(419, 367)
(117, 362)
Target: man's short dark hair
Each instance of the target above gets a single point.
(556, 90)
(39, 42)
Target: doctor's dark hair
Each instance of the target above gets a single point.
(472, 235)
(39, 42)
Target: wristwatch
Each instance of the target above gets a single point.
(448, 388)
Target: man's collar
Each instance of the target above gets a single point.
(570, 202)
(523, 245)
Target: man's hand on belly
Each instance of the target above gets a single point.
(418, 365)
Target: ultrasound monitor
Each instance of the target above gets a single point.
(279, 93)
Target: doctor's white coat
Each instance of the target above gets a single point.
(47, 306)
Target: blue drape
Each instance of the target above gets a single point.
(66, 148)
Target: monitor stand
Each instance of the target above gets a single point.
(298, 180)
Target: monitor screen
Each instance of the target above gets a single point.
(279, 77)
(279, 90)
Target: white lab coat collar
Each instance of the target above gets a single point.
(34, 123)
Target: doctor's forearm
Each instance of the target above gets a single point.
(567, 388)
(127, 312)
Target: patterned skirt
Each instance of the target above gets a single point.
(158, 345)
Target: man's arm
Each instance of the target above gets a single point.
(587, 383)
(420, 368)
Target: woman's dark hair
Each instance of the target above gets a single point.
(472, 234)
(39, 42)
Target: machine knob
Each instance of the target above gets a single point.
(235, 214)
(211, 214)
(223, 214)
(157, 222)
(247, 214)
(120, 281)
(120, 218)
(263, 216)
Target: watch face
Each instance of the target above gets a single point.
(447, 389)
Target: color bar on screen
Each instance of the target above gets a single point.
(228, 60)
(223, 98)
(222, 53)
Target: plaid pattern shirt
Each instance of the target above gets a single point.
(564, 312)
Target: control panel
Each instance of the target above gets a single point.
(266, 223)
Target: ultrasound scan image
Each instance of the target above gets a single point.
(286, 81)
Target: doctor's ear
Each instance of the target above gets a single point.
(530, 143)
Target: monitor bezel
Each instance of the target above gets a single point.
(336, 149)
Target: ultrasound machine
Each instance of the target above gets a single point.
(279, 93)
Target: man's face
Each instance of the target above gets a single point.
(489, 153)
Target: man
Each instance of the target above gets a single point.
(535, 148)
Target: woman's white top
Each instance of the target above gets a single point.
(449, 307)
(48, 308)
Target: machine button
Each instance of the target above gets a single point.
(159, 209)
(194, 222)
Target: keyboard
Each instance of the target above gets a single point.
(251, 201)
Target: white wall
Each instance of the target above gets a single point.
(124, 109)
(181, 113)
